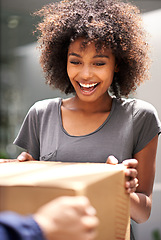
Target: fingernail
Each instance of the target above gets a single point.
(127, 184)
(21, 158)
(91, 211)
(129, 190)
(113, 160)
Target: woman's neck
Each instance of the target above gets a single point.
(103, 104)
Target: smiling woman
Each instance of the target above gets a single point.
(113, 24)
(98, 51)
(90, 72)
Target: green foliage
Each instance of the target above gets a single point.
(156, 235)
(3, 155)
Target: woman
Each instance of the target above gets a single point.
(98, 51)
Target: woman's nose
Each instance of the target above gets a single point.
(86, 72)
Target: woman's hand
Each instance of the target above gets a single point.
(24, 156)
(131, 173)
(131, 183)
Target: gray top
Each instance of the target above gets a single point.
(130, 126)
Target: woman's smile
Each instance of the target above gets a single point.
(87, 88)
(90, 72)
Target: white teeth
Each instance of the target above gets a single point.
(87, 85)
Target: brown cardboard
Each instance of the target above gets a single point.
(25, 186)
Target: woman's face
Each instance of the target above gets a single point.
(90, 72)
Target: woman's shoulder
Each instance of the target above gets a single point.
(137, 106)
(46, 104)
(142, 112)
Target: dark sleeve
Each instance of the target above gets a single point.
(28, 136)
(146, 124)
(17, 227)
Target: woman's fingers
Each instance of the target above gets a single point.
(112, 160)
(130, 163)
(131, 185)
(24, 156)
(131, 173)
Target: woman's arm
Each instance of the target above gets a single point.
(140, 175)
(141, 200)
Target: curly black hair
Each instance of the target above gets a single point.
(109, 23)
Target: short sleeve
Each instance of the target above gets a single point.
(28, 136)
(146, 124)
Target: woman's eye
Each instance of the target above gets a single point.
(75, 62)
(99, 64)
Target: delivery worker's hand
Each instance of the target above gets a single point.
(68, 218)
(131, 172)
(24, 156)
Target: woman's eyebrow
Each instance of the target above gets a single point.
(74, 54)
(96, 56)
(101, 56)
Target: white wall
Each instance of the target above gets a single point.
(28, 87)
(151, 92)
(30, 76)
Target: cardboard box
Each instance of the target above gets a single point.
(25, 186)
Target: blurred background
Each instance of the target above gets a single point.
(22, 83)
